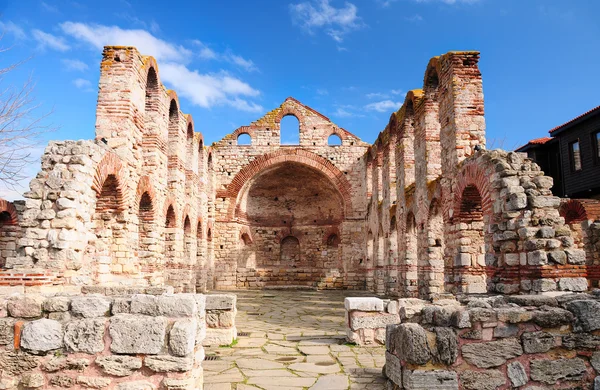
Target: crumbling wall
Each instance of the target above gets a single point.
(221, 310)
(495, 342)
(102, 341)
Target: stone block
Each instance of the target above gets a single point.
(62, 380)
(586, 314)
(220, 302)
(482, 380)
(446, 342)
(135, 385)
(393, 368)
(532, 300)
(558, 257)
(90, 306)
(182, 337)
(61, 363)
(514, 315)
(178, 384)
(537, 342)
(144, 304)
(59, 303)
(32, 380)
(180, 305)
(537, 257)
(492, 353)
(168, 363)
(137, 334)
(7, 331)
(121, 306)
(551, 371)
(85, 335)
(215, 337)
(363, 304)
(595, 361)
(372, 320)
(410, 341)
(42, 335)
(93, 382)
(506, 330)
(572, 284)
(425, 380)
(119, 365)
(575, 256)
(517, 374)
(25, 306)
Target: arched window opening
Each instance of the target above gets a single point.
(209, 235)
(189, 147)
(432, 81)
(393, 242)
(7, 229)
(370, 245)
(247, 254)
(246, 239)
(334, 140)
(433, 278)
(173, 125)
(145, 217)
(152, 89)
(289, 130)
(290, 251)
(209, 161)
(333, 241)
(200, 259)
(108, 228)
(244, 139)
(472, 236)
(170, 234)
(381, 248)
(188, 250)
(410, 259)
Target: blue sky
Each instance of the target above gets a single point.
(231, 61)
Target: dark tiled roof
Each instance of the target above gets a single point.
(568, 124)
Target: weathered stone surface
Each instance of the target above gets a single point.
(550, 371)
(220, 302)
(532, 300)
(144, 304)
(446, 342)
(393, 368)
(42, 335)
(372, 320)
(16, 363)
(572, 284)
(137, 334)
(505, 330)
(180, 305)
(410, 341)
(482, 380)
(514, 315)
(85, 335)
(182, 337)
(493, 353)
(61, 380)
(580, 340)
(57, 304)
(136, 385)
(93, 382)
(90, 306)
(517, 374)
(586, 313)
(32, 380)
(61, 363)
(363, 304)
(119, 365)
(537, 342)
(575, 256)
(595, 361)
(7, 331)
(25, 306)
(422, 380)
(552, 317)
(178, 384)
(121, 306)
(167, 363)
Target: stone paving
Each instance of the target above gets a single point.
(295, 341)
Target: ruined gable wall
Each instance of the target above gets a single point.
(229, 159)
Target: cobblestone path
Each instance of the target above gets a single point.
(293, 340)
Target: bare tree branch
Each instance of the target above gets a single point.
(21, 127)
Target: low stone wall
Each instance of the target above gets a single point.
(367, 319)
(140, 341)
(501, 342)
(220, 319)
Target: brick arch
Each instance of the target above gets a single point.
(9, 207)
(186, 213)
(433, 71)
(579, 210)
(475, 175)
(199, 227)
(189, 121)
(300, 156)
(243, 130)
(339, 132)
(287, 232)
(170, 202)
(145, 185)
(332, 230)
(287, 109)
(111, 165)
(172, 95)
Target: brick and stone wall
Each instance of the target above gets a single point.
(479, 343)
(136, 341)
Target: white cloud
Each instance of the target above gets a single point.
(322, 91)
(397, 92)
(319, 14)
(248, 65)
(207, 90)
(46, 40)
(383, 106)
(83, 84)
(377, 95)
(205, 52)
(202, 89)
(76, 65)
(346, 111)
(11, 28)
(209, 54)
(416, 18)
(99, 36)
(48, 7)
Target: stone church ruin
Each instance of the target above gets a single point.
(146, 208)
